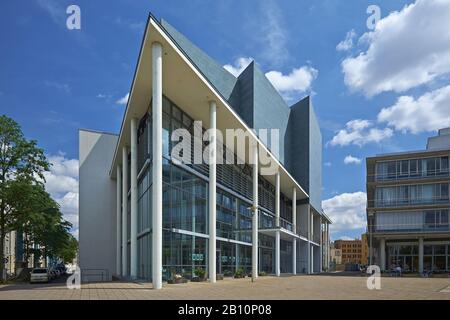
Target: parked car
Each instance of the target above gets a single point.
(39, 275)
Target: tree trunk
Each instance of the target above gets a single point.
(2, 254)
(2, 242)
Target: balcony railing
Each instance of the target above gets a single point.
(408, 176)
(400, 202)
(286, 224)
(443, 227)
(266, 221)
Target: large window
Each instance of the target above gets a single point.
(436, 257)
(436, 219)
(411, 195)
(184, 200)
(182, 254)
(411, 168)
(428, 220)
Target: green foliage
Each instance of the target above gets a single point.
(25, 206)
(240, 273)
(200, 272)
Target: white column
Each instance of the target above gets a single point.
(311, 259)
(294, 256)
(277, 253)
(294, 210)
(278, 225)
(212, 191)
(124, 210)
(118, 220)
(327, 237)
(157, 165)
(255, 214)
(308, 249)
(320, 245)
(382, 254)
(277, 200)
(420, 255)
(134, 200)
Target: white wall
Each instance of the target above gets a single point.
(97, 205)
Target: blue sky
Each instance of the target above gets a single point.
(54, 81)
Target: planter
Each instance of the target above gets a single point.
(219, 276)
(177, 281)
(198, 279)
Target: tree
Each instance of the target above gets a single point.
(21, 163)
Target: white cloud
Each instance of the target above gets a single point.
(360, 132)
(60, 86)
(408, 48)
(239, 65)
(273, 35)
(347, 43)
(327, 164)
(345, 238)
(55, 9)
(346, 210)
(299, 80)
(62, 184)
(352, 160)
(429, 112)
(124, 99)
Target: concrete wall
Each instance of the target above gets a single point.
(97, 206)
(316, 259)
(303, 146)
(302, 256)
(302, 219)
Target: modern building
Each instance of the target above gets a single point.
(146, 212)
(350, 250)
(335, 255)
(9, 250)
(364, 249)
(408, 207)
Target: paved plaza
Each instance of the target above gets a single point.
(286, 287)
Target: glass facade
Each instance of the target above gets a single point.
(405, 256)
(436, 257)
(185, 210)
(407, 195)
(412, 168)
(421, 220)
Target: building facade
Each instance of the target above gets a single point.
(335, 256)
(351, 250)
(365, 249)
(408, 208)
(154, 213)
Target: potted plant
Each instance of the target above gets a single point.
(176, 279)
(200, 275)
(219, 276)
(240, 273)
(227, 273)
(262, 274)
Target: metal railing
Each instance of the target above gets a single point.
(286, 224)
(407, 176)
(398, 202)
(95, 275)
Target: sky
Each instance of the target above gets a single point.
(378, 85)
